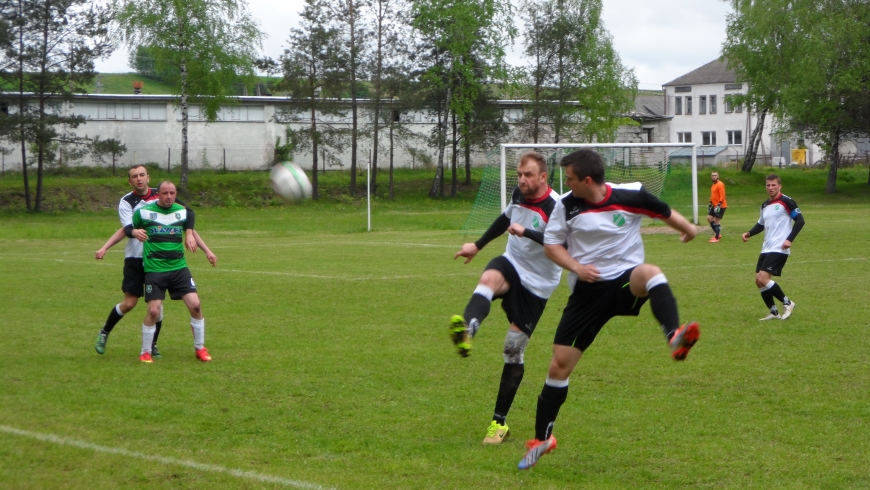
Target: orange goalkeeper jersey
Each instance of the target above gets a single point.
(717, 194)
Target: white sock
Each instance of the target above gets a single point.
(198, 329)
(484, 291)
(118, 309)
(160, 318)
(147, 337)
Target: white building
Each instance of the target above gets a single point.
(703, 113)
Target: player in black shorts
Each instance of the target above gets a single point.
(523, 278)
(605, 256)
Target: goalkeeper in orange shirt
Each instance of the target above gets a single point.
(716, 208)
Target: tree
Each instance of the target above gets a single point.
(311, 71)
(200, 46)
(389, 57)
(580, 86)
(49, 50)
(108, 148)
(815, 55)
(347, 15)
(467, 40)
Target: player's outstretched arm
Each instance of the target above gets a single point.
(212, 258)
(117, 237)
(468, 250)
(686, 229)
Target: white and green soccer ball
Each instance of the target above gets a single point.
(289, 182)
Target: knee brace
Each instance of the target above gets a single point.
(514, 346)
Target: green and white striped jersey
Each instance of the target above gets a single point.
(164, 250)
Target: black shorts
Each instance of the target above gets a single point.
(714, 214)
(591, 305)
(178, 283)
(134, 277)
(523, 308)
(771, 263)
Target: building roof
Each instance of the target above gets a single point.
(649, 106)
(716, 71)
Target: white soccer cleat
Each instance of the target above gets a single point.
(787, 309)
(770, 316)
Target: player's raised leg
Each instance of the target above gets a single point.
(649, 280)
(463, 328)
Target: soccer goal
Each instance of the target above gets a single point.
(647, 163)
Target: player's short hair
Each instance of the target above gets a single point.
(585, 163)
(160, 185)
(536, 157)
(773, 177)
(136, 166)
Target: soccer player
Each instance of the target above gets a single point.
(159, 225)
(777, 214)
(608, 277)
(134, 274)
(717, 206)
(523, 277)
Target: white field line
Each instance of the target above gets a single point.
(414, 276)
(248, 475)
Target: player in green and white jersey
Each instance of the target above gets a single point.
(162, 222)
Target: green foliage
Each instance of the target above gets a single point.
(580, 87)
(110, 147)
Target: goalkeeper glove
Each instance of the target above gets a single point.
(717, 210)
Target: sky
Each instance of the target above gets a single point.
(660, 39)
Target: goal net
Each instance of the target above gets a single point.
(647, 163)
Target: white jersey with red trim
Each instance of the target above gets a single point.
(605, 234)
(776, 217)
(128, 205)
(538, 273)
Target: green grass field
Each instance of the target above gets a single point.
(332, 367)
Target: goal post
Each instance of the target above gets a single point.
(647, 163)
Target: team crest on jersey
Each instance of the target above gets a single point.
(536, 223)
(152, 216)
(177, 215)
(619, 220)
(776, 207)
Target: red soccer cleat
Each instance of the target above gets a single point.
(146, 357)
(683, 340)
(202, 355)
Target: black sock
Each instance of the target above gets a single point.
(713, 226)
(777, 293)
(113, 320)
(511, 377)
(156, 333)
(476, 311)
(664, 308)
(767, 296)
(549, 403)
(717, 229)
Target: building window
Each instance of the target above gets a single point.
(684, 137)
(702, 104)
(738, 107)
(678, 106)
(735, 137)
(712, 104)
(688, 106)
(708, 138)
(729, 107)
(683, 89)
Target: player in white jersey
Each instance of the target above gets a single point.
(523, 278)
(601, 223)
(134, 274)
(777, 214)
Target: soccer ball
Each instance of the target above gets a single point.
(289, 182)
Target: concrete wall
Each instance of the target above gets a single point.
(244, 136)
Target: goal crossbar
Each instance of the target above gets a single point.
(505, 146)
